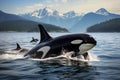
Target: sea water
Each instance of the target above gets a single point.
(103, 64)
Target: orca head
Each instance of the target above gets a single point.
(85, 42)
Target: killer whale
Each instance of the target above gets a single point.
(19, 49)
(33, 40)
(51, 47)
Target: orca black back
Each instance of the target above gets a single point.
(52, 47)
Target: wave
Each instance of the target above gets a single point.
(9, 56)
(12, 55)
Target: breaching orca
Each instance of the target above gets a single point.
(52, 47)
(34, 40)
(19, 49)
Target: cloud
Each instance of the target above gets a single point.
(31, 8)
(64, 1)
(58, 1)
(80, 6)
(35, 6)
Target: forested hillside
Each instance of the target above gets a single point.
(28, 26)
(108, 26)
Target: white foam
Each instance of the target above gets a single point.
(12, 51)
(11, 56)
(17, 51)
(64, 55)
(92, 57)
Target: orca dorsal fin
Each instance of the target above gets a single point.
(18, 46)
(43, 34)
(32, 38)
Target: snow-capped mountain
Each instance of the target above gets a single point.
(91, 18)
(102, 11)
(70, 20)
(50, 12)
(12, 22)
(44, 12)
(50, 16)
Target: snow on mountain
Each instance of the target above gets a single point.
(50, 16)
(91, 18)
(44, 12)
(102, 11)
(70, 20)
(12, 22)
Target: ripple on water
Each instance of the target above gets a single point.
(104, 64)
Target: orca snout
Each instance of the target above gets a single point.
(91, 40)
(88, 44)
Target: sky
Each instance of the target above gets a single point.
(79, 6)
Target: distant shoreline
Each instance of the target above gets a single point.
(31, 32)
(50, 32)
(102, 32)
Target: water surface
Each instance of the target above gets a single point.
(104, 63)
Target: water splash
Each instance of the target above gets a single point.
(12, 55)
(68, 56)
(23, 50)
(93, 57)
(8, 56)
(12, 51)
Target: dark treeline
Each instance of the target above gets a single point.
(28, 26)
(108, 26)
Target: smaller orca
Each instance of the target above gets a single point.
(19, 49)
(53, 47)
(34, 40)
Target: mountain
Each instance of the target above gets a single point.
(11, 22)
(6, 17)
(50, 16)
(41, 13)
(107, 26)
(102, 11)
(91, 18)
(45, 12)
(28, 26)
(70, 14)
(70, 20)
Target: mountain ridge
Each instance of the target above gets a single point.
(102, 11)
(112, 25)
(90, 19)
(53, 17)
(70, 20)
(73, 21)
(28, 26)
(11, 22)
(6, 17)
